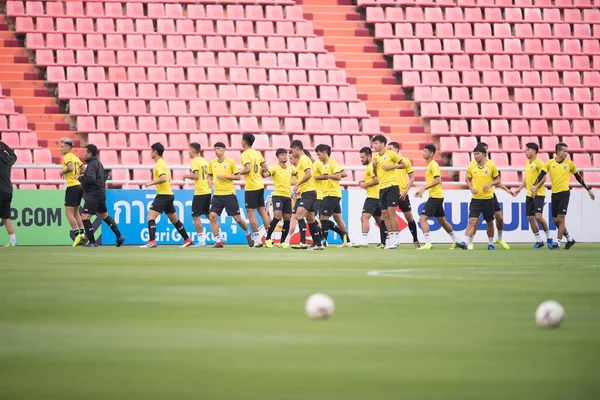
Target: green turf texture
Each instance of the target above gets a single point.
(172, 323)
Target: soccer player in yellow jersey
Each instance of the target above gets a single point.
(201, 199)
(305, 184)
(406, 179)
(282, 175)
(222, 171)
(163, 202)
(371, 205)
(384, 164)
(253, 165)
(329, 173)
(560, 170)
(434, 207)
(74, 193)
(534, 206)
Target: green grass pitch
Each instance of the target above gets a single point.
(172, 323)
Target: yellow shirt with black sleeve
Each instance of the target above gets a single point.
(481, 177)
(560, 174)
(223, 187)
(402, 174)
(372, 191)
(319, 185)
(386, 178)
(161, 169)
(304, 164)
(433, 171)
(282, 180)
(76, 164)
(200, 165)
(532, 171)
(332, 187)
(253, 178)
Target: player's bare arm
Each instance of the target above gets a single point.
(307, 176)
(246, 169)
(67, 169)
(193, 176)
(223, 177)
(400, 165)
(493, 183)
(161, 179)
(437, 180)
(335, 177)
(539, 181)
(411, 181)
(582, 183)
(364, 185)
(469, 183)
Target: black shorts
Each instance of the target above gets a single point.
(200, 204)
(404, 205)
(317, 206)
(283, 204)
(560, 203)
(482, 206)
(389, 197)
(73, 196)
(331, 205)
(434, 207)
(534, 205)
(163, 203)
(5, 200)
(307, 201)
(94, 206)
(229, 202)
(255, 198)
(496, 204)
(371, 206)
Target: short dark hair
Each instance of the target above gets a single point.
(430, 148)
(379, 138)
(480, 149)
(307, 154)
(366, 150)
(220, 144)
(323, 148)
(248, 138)
(483, 144)
(92, 149)
(280, 151)
(560, 146)
(394, 144)
(195, 146)
(159, 148)
(296, 144)
(533, 146)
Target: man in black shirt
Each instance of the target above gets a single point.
(7, 160)
(94, 194)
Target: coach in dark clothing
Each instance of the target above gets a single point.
(7, 159)
(94, 195)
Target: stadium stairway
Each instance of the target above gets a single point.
(20, 81)
(345, 35)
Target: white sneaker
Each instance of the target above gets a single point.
(200, 244)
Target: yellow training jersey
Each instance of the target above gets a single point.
(305, 164)
(386, 178)
(223, 187)
(433, 170)
(532, 170)
(76, 164)
(253, 178)
(402, 174)
(560, 174)
(201, 184)
(282, 179)
(161, 169)
(481, 177)
(331, 187)
(372, 191)
(319, 185)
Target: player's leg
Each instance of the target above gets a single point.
(90, 208)
(412, 227)
(174, 218)
(70, 214)
(315, 230)
(5, 200)
(538, 206)
(233, 210)
(300, 216)
(285, 229)
(368, 211)
(10, 229)
(277, 216)
(488, 216)
(264, 215)
(151, 218)
(200, 206)
(214, 227)
(530, 213)
(424, 222)
(108, 220)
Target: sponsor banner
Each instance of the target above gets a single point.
(582, 222)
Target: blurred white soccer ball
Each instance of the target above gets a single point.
(549, 314)
(319, 306)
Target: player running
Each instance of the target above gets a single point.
(222, 171)
(74, 193)
(253, 165)
(534, 206)
(406, 179)
(560, 170)
(434, 207)
(371, 205)
(201, 199)
(7, 159)
(384, 164)
(282, 175)
(163, 202)
(94, 194)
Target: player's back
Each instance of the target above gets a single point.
(76, 165)
(253, 178)
(372, 191)
(304, 164)
(201, 184)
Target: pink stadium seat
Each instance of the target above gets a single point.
(448, 144)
